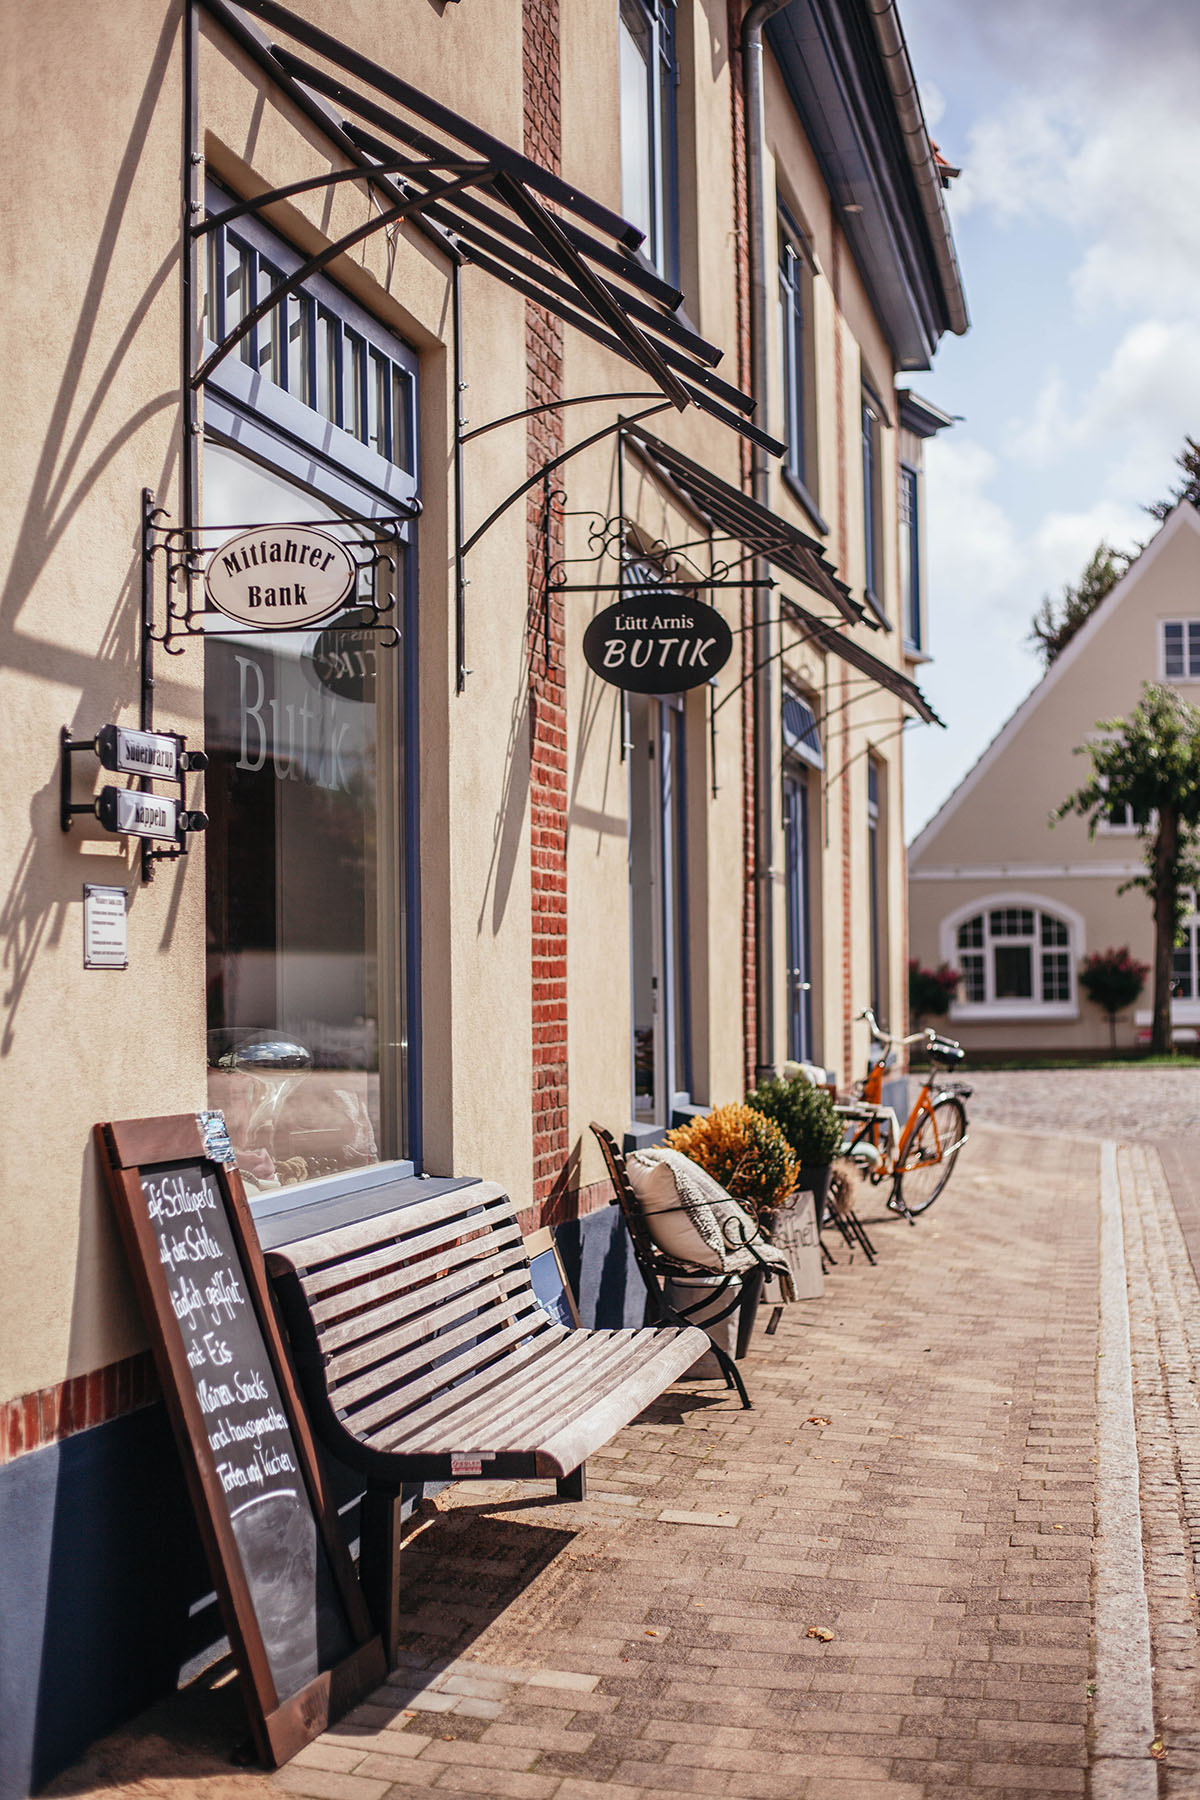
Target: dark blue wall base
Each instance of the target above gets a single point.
(598, 1259)
(106, 1602)
(103, 1585)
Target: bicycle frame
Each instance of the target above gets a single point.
(883, 1121)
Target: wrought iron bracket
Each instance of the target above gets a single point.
(184, 615)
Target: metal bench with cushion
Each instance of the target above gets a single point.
(657, 1267)
(425, 1355)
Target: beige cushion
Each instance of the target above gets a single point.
(689, 1215)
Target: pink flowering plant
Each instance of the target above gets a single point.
(930, 991)
(1113, 979)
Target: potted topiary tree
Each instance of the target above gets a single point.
(1113, 979)
(814, 1131)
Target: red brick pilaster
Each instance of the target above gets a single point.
(735, 10)
(547, 692)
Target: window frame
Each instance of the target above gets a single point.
(797, 363)
(1189, 628)
(911, 571)
(1017, 1008)
(269, 421)
(656, 19)
(874, 574)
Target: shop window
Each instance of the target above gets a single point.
(1014, 957)
(309, 852)
(910, 556)
(1180, 649)
(646, 30)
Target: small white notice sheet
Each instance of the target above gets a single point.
(105, 937)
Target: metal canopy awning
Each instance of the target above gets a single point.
(783, 545)
(484, 202)
(836, 643)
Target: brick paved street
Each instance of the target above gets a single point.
(1133, 1104)
(917, 1479)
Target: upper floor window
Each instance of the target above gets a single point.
(313, 353)
(796, 356)
(910, 556)
(872, 502)
(1180, 640)
(1015, 953)
(648, 77)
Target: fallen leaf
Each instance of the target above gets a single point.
(1059, 1528)
(1158, 1750)
(652, 1634)
(817, 1419)
(821, 1633)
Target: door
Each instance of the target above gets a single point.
(661, 1012)
(797, 890)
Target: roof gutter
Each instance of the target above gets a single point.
(764, 660)
(902, 83)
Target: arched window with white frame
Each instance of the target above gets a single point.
(1018, 954)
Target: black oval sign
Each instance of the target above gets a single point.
(657, 642)
(344, 663)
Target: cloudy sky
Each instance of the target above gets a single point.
(1078, 132)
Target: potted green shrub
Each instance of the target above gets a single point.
(805, 1115)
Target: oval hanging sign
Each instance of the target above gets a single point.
(657, 642)
(280, 577)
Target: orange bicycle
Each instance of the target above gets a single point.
(918, 1158)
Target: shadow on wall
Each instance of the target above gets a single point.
(34, 912)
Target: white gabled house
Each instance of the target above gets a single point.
(1014, 901)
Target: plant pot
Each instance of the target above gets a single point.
(752, 1287)
(815, 1179)
(683, 1292)
(793, 1230)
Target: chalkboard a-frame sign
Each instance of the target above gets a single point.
(296, 1618)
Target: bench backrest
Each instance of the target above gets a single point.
(644, 1247)
(389, 1312)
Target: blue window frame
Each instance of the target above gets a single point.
(910, 557)
(649, 170)
(872, 507)
(795, 356)
(318, 369)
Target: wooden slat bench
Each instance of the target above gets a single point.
(425, 1355)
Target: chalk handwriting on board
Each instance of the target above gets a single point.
(253, 1450)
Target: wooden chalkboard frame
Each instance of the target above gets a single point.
(281, 1724)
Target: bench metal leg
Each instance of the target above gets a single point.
(574, 1485)
(379, 1564)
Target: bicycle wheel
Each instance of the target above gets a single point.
(931, 1154)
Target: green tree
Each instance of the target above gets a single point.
(1188, 461)
(1151, 762)
(1056, 621)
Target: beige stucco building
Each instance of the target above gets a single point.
(457, 894)
(1016, 901)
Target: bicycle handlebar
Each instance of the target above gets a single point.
(885, 1037)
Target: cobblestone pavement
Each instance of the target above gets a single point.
(1139, 1105)
(915, 1488)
